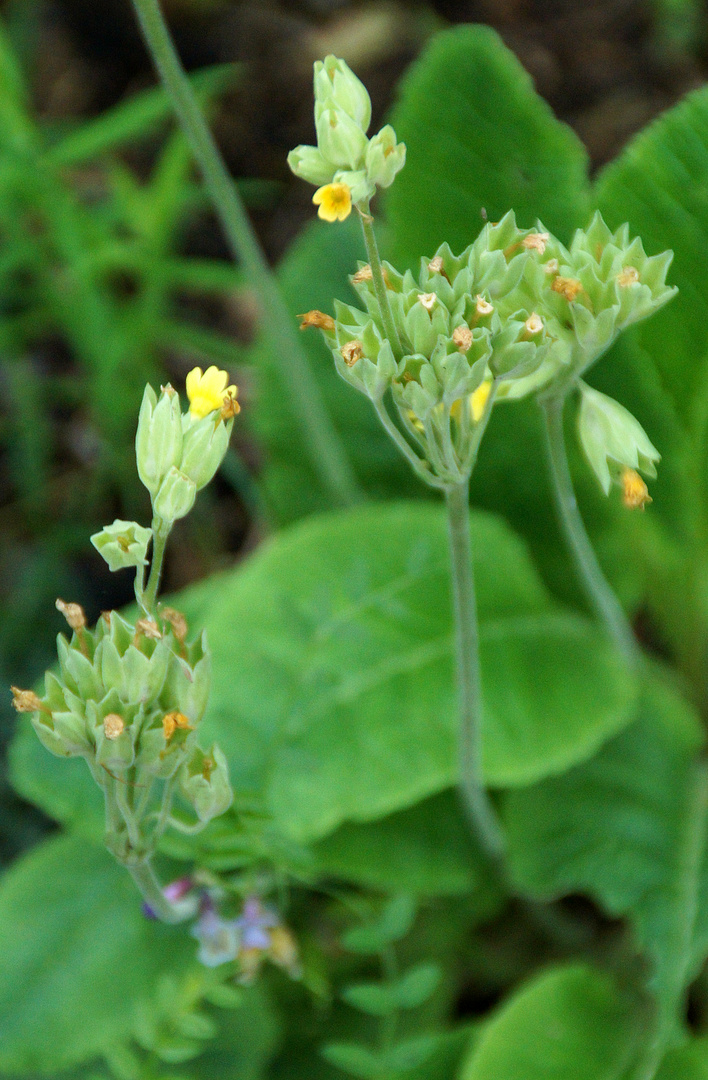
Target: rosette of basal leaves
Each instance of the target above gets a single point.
(128, 699)
(468, 326)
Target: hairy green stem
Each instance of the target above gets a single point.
(477, 803)
(160, 534)
(143, 875)
(326, 452)
(372, 251)
(600, 595)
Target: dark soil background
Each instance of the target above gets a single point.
(605, 66)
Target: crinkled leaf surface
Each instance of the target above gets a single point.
(567, 1022)
(478, 137)
(77, 955)
(333, 693)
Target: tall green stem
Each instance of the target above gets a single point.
(372, 251)
(479, 807)
(160, 533)
(600, 595)
(326, 452)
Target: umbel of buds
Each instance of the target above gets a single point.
(128, 696)
(468, 328)
(515, 314)
(346, 166)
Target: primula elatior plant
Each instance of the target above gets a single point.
(297, 781)
(129, 696)
(516, 313)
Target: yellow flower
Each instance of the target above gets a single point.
(334, 202)
(208, 391)
(634, 491)
(478, 400)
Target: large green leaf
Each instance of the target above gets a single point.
(426, 850)
(333, 693)
(568, 1022)
(77, 956)
(479, 137)
(628, 828)
(314, 271)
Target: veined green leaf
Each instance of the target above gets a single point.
(496, 147)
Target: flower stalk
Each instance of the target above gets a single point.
(372, 251)
(598, 591)
(324, 445)
(478, 805)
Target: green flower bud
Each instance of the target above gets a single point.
(384, 157)
(176, 496)
(204, 448)
(308, 163)
(158, 443)
(612, 439)
(336, 86)
(123, 544)
(340, 139)
(204, 782)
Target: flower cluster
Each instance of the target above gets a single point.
(515, 314)
(346, 166)
(178, 453)
(128, 698)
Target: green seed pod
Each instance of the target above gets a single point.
(113, 726)
(204, 782)
(123, 544)
(158, 443)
